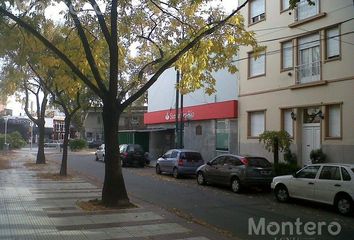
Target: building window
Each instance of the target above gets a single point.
(332, 43)
(257, 11)
(305, 10)
(309, 68)
(222, 135)
(285, 5)
(287, 55)
(333, 117)
(198, 130)
(288, 122)
(256, 123)
(256, 66)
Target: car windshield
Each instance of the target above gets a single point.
(191, 155)
(258, 162)
(135, 148)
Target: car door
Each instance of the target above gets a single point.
(328, 183)
(171, 161)
(163, 160)
(213, 170)
(303, 183)
(230, 167)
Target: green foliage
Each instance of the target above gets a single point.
(77, 144)
(269, 138)
(15, 140)
(290, 157)
(285, 169)
(2, 141)
(318, 156)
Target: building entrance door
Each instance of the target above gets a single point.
(311, 139)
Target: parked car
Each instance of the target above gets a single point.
(132, 154)
(326, 183)
(94, 143)
(100, 153)
(179, 162)
(53, 143)
(236, 171)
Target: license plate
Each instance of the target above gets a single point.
(266, 172)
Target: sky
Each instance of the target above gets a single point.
(53, 12)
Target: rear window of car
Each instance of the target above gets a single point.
(258, 162)
(135, 148)
(191, 156)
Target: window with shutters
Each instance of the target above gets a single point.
(256, 123)
(256, 66)
(332, 43)
(305, 10)
(287, 55)
(333, 121)
(256, 11)
(288, 122)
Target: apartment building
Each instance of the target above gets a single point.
(303, 82)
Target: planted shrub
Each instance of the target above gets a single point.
(77, 144)
(15, 140)
(317, 156)
(290, 157)
(285, 169)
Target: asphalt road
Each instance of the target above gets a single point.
(219, 208)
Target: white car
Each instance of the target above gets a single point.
(100, 153)
(326, 183)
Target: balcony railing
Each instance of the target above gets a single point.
(304, 10)
(307, 73)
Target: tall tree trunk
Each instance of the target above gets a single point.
(114, 192)
(276, 151)
(64, 160)
(41, 133)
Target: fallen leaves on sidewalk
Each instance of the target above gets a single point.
(54, 176)
(97, 205)
(4, 163)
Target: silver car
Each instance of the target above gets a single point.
(179, 162)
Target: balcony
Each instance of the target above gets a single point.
(304, 10)
(308, 73)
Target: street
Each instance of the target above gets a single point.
(218, 207)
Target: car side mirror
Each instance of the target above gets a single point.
(294, 175)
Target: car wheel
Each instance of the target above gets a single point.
(122, 164)
(236, 185)
(200, 178)
(96, 159)
(281, 193)
(344, 204)
(175, 173)
(157, 169)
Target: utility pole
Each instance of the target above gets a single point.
(181, 129)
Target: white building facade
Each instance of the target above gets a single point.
(210, 122)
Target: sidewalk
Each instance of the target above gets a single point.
(35, 208)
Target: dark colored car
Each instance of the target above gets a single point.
(179, 162)
(94, 143)
(236, 171)
(132, 154)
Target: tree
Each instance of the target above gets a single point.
(275, 141)
(129, 45)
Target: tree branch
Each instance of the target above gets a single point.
(54, 49)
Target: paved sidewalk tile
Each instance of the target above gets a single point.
(35, 208)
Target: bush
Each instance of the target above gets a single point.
(15, 140)
(77, 144)
(2, 141)
(285, 169)
(317, 156)
(290, 157)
